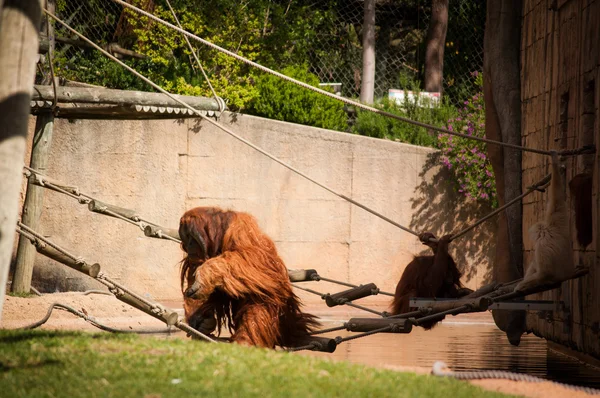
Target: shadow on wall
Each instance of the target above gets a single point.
(438, 208)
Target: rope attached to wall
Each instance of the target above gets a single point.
(587, 149)
(120, 291)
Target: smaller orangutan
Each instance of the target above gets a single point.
(429, 276)
(233, 276)
(552, 248)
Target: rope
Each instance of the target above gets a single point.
(534, 187)
(340, 98)
(441, 369)
(89, 319)
(39, 237)
(81, 197)
(217, 98)
(114, 287)
(84, 198)
(225, 129)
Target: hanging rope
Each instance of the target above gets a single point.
(217, 98)
(91, 320)
(342, 99)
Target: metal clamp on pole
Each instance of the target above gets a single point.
(303, 275)
(351, 294)
(322, 344)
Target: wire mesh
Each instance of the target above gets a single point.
(330, 42)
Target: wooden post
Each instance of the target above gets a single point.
(32, 209)
(19, 26)
(367, 86)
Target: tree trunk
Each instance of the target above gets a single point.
(367, 87)
(436, 41)
(502, 92)
(34, 201)
(19, 27)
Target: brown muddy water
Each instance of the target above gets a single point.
(464, 346)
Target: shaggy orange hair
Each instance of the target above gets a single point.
(233, 276)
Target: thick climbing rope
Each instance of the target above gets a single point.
(217, 98)
(340, 98)
(85, 199)
(90, 319)
(114, 287)
(441, 369)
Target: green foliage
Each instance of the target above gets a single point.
(282, 100)
(379, 126)
(463, 53)
(71, 364)
(467, 158)
(274, 34)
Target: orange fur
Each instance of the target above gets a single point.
(233, 274)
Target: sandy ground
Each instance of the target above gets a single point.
(19, 312)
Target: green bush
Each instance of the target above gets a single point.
(282, 100)
(467, 158)
(379, 126)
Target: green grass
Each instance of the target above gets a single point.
(20, 294)
(69, 364)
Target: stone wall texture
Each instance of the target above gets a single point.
(162, 168)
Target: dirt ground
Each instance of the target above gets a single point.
(19, 312)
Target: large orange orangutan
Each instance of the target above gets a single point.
(232, 276)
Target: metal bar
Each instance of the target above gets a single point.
(533, 305)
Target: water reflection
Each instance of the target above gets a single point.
(464, 346)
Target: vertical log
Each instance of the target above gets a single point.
(503, 123)
(19, 26)
(32, 209)
(435, 45)
(367, 87)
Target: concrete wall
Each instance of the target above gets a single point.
(162, 168)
